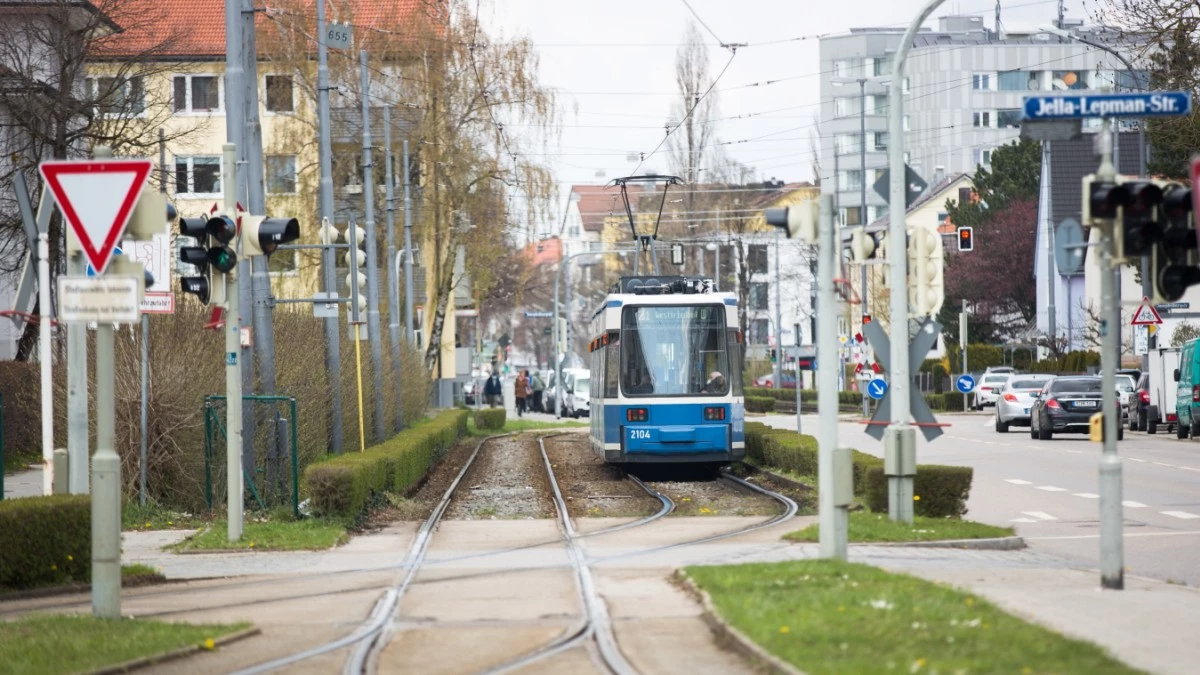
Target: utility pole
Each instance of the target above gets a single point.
(333, 355)
(372, 255)
(1051, 262)
(393, 276)
(862, 217)
(778, 317)
(962, 344)
(408, 253)
(833, 494)
(233, 373)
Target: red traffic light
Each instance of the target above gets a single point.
(866, 319)
(966, 239)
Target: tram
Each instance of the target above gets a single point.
(666, 383)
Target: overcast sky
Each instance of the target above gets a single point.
(611, 63)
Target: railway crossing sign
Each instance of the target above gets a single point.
(1146, 314)
(96, 198)
(917, 350)
(965, 384)
(877, 388)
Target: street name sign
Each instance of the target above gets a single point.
(914, 185)
(539, 315)
(965, 384)
(98, 299)
(1168, 306)
(1148, 104)
(96, 198)
(1146, 314)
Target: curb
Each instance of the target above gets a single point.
(180, 653)
(1013, 543)
(730, 636)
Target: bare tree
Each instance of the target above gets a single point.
(693, 112)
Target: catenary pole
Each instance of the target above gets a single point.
(372, 261)
(393, 290)
(333, 354)
(408, 254)
(833, 520)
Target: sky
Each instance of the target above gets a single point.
(611, 65)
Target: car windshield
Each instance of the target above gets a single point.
(1079, 386)
(1124, 384)
(672, 351)
(1026, 384)
(583, 384)
(994, 379)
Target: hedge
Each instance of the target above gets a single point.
(797, 453)
(760, 404)
(490, 418)
(47, 540)
(952, 401)
(939, 491)
(343, 486)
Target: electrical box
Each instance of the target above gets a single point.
(843, 477)
(900, 454)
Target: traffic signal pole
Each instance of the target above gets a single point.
(233, 373)
(333, 354)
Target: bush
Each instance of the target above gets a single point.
(942, 491)
(343, 486)
(979, 356)
(47, 540)
(798, 453)
(490, 418)
(952, 401)
(760, 404)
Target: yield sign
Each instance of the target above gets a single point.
(96, 197)
(1146, 315)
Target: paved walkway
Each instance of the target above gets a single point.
(23, 484)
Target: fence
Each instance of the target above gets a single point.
(267, 479)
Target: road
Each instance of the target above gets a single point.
(1049, 490)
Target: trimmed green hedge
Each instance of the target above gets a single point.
(46, 541)
(490, 418)
(760, 404)
(806, 395)
(798, 453)
(939, 491)
(343, 486)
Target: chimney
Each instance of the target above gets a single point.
(939, 175)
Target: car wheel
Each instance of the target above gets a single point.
(1045, 434)
(1195, 428)
(1032, 431)
(1180, 430)
(1151, 427)
(1120, 433)
(1001, 427)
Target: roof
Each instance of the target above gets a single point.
(1071, 160)
(932, 192)
(195, 29)
(89, 7)
(597, 201)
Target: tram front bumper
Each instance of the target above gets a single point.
(680, 443)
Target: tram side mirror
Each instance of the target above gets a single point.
(1176, 374)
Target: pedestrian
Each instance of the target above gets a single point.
(539, 388)
(492, 390)
(520, 391)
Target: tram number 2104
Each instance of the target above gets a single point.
(639, 434)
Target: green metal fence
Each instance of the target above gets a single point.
(270, 480)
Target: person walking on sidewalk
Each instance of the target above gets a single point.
(493, 390)
(521, 390)
(539, 388)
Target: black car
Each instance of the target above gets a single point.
(1066, 405)
(1139, 406)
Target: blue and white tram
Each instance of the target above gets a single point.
(666, 382)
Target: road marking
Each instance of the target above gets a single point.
(1135, 459)
(1165, 464)
(1075, 452)
(1180, 514)
(1086, 495)
(1126, 534)
(1189, 468)
(1051, 488)
(1133, 505)
(1017, 481)
(1040, 515)
(1022, 520)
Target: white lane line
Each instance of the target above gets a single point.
(1017, 481)
(1180, 514)
(1086, 495)
(1165, 464)
(1075, 452)
(1127, 534)
(1051, 488)
(1040, 515)
(1022, 520)
(1133, 505)
(1189, 468)
(1135, 459)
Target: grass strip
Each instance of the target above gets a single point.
(71, 644)
(154, 517)
(519, 425)
(828, 616)
(877, 527)
(297, 535)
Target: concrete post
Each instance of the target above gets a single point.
(833, 519)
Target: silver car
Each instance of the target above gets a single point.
(1016, 398)
(986, 392)
(1126, 393)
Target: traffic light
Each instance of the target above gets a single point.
(966, 239)
(773, 356)
(799, 220)
(926, 288)
(1101, 199)
(211, 256)
(862, 245)
(262, 235)
(1138, 224)
(1173, 260)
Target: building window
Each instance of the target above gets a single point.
(1008, 118)
(877, 104)
(846, 143)
(1068, 79)
(852, 215)
(906, 122)
(981, 81)
(280, 97)
(981, 157)
(1015, 80)
(756, 258)
(845, 68)
(197, 175)
(117, 96)
(281, 174)
(760, 332)
(197, 93)
(1132, 80)
(964, 195)
(758, 295)
(907, 157)
(981, 119)
(881, 66)
(877, 212)
(850, 180)
(907, 85)
(880, 141)
(841, 107)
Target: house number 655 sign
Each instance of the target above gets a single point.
(337, 36)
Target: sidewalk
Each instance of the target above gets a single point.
(23, 484)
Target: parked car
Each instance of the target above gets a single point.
(1137, 408)
(1187, 388)
(552, 390)
(1066, 405)
(999, 369)
(1126, 393)
(987, 391)
(1158, 402)
(768, 380)
(1016, 400)
(579, 390)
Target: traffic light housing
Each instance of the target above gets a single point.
(1173, 261)
(966, 239)
(862, 245)
(211, 256)
(1139, 226)
(926, 257)
(262, 235)
(1101, 199)
(799, 220)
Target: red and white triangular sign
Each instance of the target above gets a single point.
(1146, 315)
(96, 197)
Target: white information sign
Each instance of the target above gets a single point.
(155, 256)
(338, 35)
(98, 299)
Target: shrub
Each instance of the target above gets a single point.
(942, 491)
(48, 540)
(490, 418)
(343, 486)
(798, 453)
(952, 401)
(760, 404)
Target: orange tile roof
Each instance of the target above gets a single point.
(195, 29)
(596, 201)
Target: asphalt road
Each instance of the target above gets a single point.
(1049, 490)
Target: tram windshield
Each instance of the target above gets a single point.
(674, 351)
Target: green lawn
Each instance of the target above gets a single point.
(877, 527)
(154, 517)
(295, 535)
(826, 616)
(72, 644)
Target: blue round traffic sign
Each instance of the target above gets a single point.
(965, 384)
(877, 388)
(91, 271)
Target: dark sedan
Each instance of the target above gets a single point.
(1066, 405)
